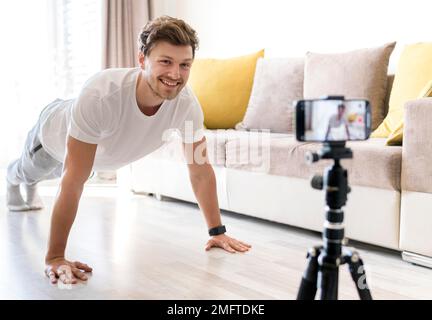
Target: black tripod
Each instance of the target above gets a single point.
(322, 271)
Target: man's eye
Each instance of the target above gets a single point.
(186, 65)
(165, 61)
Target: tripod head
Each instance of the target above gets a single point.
(335, 178)
(335, 150)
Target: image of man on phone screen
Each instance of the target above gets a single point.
(338, 126)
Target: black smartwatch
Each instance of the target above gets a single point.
(217, 230)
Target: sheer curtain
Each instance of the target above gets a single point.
(122, 21)
(49, 49)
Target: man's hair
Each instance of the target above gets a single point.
(169, 29)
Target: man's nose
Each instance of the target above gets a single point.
(174, 72)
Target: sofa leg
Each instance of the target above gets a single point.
(142, 193)
(159, 197)
(415, 258)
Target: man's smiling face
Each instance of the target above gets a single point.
(167, 68)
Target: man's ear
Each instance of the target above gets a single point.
(141, 59)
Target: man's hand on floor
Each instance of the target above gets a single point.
(66, 271)
(227, 243)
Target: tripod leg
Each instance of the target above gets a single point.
(328, 278)
(358, 275)
(308, 285)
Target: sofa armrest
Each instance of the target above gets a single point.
(417, 146)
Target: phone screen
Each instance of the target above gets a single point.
(333, 120)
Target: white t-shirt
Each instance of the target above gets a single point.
(106, 113)
(338, 128)
(336, 122)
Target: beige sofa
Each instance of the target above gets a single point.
(265, 175)
(388, 204)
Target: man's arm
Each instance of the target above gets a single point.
(77, 168)
(203, 182)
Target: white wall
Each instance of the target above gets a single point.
(292, 27)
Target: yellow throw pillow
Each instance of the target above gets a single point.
(414, 71)
(427, 91)
(395, 138)
(223, 88)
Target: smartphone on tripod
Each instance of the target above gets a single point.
(332, 119)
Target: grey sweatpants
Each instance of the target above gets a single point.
(35, 164)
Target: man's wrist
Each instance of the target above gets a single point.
(53, 257)
(217, 230)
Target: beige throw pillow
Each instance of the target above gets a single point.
(356, 74)
(277, 83)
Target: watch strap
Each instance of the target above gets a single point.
(217, 230)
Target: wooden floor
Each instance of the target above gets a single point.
(141, 248)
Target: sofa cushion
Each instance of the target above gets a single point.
(223, 88)
(373, 165)
(277, 83)
(356, 74)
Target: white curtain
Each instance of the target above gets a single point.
(49, 48)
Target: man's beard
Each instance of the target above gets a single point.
(167, 97)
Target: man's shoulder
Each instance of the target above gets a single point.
(186, 92)
(187, 96)
(109, 82)
(119, 76)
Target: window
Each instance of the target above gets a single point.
(49, 49)
(75, 42)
